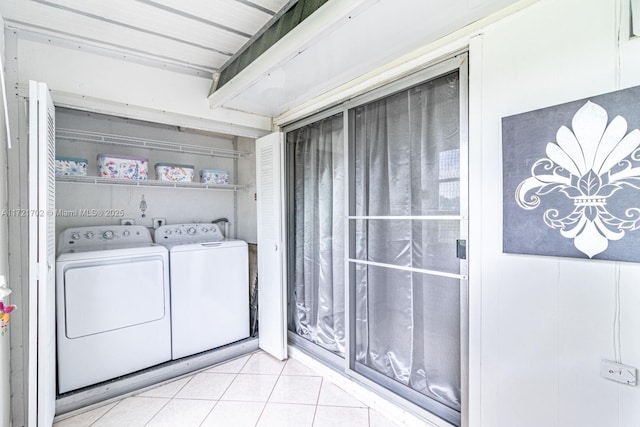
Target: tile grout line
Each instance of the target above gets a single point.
(229, 386)
(177, 398)
(109, 410)
(234, 378)
(153, 397)
(269, 397)
(315, 412)
(216, 401)
(238, 374)
(156, 414)
(209, 413)
(320, 391)
(170, 399)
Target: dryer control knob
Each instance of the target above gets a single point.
(89, 235)
(108, 235)
(126, 233)
(178, 231)
(191, 231)
(75, 236)
(204, 230)
(167, 232)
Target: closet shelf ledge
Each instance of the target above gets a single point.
(146, 183)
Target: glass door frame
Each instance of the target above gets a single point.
(391, 390)
(330, 359)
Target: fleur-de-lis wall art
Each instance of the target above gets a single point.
(576, 192)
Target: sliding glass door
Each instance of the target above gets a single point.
(393, 164)
(406, 221)
(316, 227)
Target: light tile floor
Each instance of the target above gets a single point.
(253, 391)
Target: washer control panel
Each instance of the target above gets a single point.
(188, 233)
(103, 236)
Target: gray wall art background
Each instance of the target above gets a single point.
(571, 179)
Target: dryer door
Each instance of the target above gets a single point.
(113, 318)
(106, 297)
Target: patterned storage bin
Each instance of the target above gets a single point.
(214, 176)
(173, 172)
(72, 166)
(123, 167)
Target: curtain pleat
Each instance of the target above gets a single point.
(318, 290)
(407, 324)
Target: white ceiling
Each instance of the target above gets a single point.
(200, 36)
(195, 36)
(374, 35)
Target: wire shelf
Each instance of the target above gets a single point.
(146, 183)
(74, 135)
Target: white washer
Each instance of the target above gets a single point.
(113, 307)
(209, 287)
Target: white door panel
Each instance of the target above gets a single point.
(42, 344)
(271, 287)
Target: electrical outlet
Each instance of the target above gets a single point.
(159, 222)
(618, 372)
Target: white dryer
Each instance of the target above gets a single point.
(113, 307)
(209, 287)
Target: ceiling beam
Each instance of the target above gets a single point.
(289, 17)
(324, 20)
(132, 27)
(41, 34)
(194, 17)
(257, 7)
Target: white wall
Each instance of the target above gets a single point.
(247, 205)
(547, 322)
(4, 260)
(77, 76)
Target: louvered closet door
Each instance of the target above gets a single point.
(271, 289)
(42, 345)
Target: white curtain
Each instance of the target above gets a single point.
(316, 293)
(406, 164)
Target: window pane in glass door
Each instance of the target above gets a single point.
(407, 152)
(408, 329)
(316, 227)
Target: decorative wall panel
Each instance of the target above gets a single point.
(572, 179)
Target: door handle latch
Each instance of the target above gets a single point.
(461, 249)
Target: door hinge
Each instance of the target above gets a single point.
(461, 249)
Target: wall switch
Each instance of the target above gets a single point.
(618, 372)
